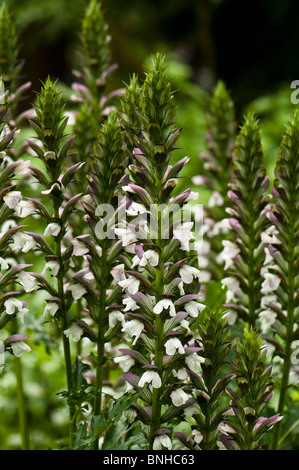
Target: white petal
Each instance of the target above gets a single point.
(188, 273)
(125, 362)
(12, 199)
(77, 290)
(52, 229)
(179, 397)
(75, 331)
(165, 304)
(18, 347)
(116, 317)
(29, 283)
(131, 284)
(173, 345)
(162, 442)
(150, 377)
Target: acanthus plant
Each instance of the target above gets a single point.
(207, 384)
(92, 95)
(214, 176)
(12, 306)
(123, 287)
(282, 278)
(245, 254)
(246, 427)
(161, 286)
(12, 89)
(11, 272)
(53, 204)
(104, 266)
(94, 74)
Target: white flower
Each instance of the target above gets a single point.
(162, 442)
(18, 347)
(190, 411)
(269, 299)
(173, 345)
(194, 360)
(75, 331)
(116, 317)
(164, 304)
(194, 308)
(133, 328)
(77, 290)
(3, 264)
(197, 436)
(79, 248)
(135, 209)
(216, 199)
(118, 272)
(179, 397)
(25, 208)
(53, 266)
(230, 316)
(185, 324)
(228, 254)
(267, 318)
(233, 288)
(130, 304)
(221, 227)
(23, 242)
(184, 234)
(131, 284)
(269, 258)
(187, 273)
(13, 305)
(130, 415)
(29, 282)
(12, 199)
(54, 187)
(198, 180)
(23, 168)
(51, 308)
(151, 257)
(52, 229)
(151, 377)
(125, 362)
(126, 235)
(193, 196)
(49, 155)
(270, 283)
(269, 236)
(181, 374)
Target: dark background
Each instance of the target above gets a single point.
(251, 45)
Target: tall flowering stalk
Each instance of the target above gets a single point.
(11, 66)
(247, 428)
(94, 75)
(245, 255)
(103, 294)
(55, 207)
(208, 383)
(284, 250)
(12, 308)
(130, 106)
(158, 310)
(215, 175)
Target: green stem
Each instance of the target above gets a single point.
(159, 330)
(21, 405)
(100, 361)
(289, 334)
(65, 339)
